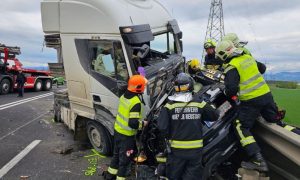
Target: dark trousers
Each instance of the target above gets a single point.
(20, 90)
(124, 151)
(184, 165)
(249, 111)
(296, 130)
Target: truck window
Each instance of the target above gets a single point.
(122, 72)
(108, 60)
(163, 43)
(102, 61)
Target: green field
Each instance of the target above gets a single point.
(288, 99)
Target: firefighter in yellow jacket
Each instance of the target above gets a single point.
(243, 77)
(128, 121)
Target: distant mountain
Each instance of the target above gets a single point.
(284, 76)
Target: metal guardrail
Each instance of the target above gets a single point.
(281, 149)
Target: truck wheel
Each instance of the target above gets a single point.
(38, 85)
(47, 85)
(99, 138)
(4, 86)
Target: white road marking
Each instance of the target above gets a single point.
(18, 158)
(12, 104)
(22, 126)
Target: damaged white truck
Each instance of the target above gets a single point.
(103, 42)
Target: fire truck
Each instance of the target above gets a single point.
(10, 67)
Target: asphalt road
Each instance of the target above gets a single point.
(33, 146)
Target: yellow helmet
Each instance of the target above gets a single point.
(209, 44)
(194, 63)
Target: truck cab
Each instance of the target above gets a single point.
(101, 44)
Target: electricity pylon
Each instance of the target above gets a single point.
(215, 26)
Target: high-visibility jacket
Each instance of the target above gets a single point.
(124, 114)
(252, 83)
(246, 51)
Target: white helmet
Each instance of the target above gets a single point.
(233, 38)
(224, 50)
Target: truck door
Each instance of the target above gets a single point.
(108, 72)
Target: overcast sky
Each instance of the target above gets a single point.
(272, 28)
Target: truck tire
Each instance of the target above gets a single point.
(47, 85)
(38, 85)
(99, 138)
(5, 86)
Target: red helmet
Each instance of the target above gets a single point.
(137, 84)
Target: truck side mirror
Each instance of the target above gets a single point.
(179, 35)
(181, 45)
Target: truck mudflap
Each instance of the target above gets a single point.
(281, 149)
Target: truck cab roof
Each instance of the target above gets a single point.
(58, 15)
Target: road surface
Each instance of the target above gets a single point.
(35, 147)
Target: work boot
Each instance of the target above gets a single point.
(107, 176)
(257, 162)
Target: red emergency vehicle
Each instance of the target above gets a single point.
(10, 67)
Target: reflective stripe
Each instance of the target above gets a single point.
(192, 104)
(123, 126)
(161, 159)
(228, 68)
(244, 140)
(122, 117)
(289, 128)
(120, 178)
(253, 88)
(248, 140)
(186, 144)
(134, 115)
(140, 125)
(251, 79)
(112, 170)
(238, 128)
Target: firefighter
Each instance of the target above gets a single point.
(236, 42)
(210, 61)
(241, 45)
(243, 76)
(180, 122)
(128, 121)
(198, 74)
(194, 69)
(194, 66)
(21, 80)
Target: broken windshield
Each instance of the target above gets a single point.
(163, 43)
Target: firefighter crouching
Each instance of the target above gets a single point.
(128, 121)
(180, 122)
